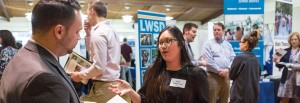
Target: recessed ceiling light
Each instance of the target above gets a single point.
(127, 18)
(30, 3)
(127, 7)
(168, 9)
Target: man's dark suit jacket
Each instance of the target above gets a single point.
(35, 76)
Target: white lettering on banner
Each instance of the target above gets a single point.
(243, 1)
(148, 25)
(231, 8)
(151, 25)
(256, 48)
(254, 8)
(156, 28)
(141, 26)
(243, 8)
(253, 1)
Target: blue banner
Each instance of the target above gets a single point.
(149, 26)
(243, 7)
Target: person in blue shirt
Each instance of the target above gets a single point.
(219, 54)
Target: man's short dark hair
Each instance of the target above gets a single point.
(189, 26)
(220, 24)
(48, 13)
(99, 7)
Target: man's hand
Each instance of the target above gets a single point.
(202, 60)
(276, 60)
(75, 76)
(224, 73)
(87, 28)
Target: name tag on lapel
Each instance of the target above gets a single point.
(177, 83)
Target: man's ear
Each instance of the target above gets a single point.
(59, 31)
(185, 31)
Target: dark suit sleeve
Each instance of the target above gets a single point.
(236, 67)
(45, 88)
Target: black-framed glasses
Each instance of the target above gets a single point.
(166, 42)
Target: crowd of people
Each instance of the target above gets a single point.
(32, 74)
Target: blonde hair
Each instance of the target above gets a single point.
(291, 35)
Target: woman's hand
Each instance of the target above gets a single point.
(122, 88)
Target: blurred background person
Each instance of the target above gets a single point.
(238, 34)
(172, 64)
(8, 49)
(245, 72)
(103, 46)
(228, 35)
(19, 45)
(126, 52)
(287, 83)
(256, 28)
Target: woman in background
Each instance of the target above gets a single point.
(8, 49)
(287, 82)
(228, 35)
(245, 72)
(172, 78)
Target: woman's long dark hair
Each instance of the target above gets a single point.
(7, 39)
(155, 77)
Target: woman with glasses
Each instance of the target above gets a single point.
(172, 78)
(287, 82)
(245, 72)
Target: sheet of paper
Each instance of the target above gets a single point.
(116, 99)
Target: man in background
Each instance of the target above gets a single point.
(189, 34)
(34, 75)
(126, 51)
(103, 46)
(219, 54)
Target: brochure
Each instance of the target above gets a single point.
(279, 53)
(77, 63)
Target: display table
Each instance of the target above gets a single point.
(266, 92)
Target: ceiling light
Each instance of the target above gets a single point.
(30, 3)
(28, 16)
(127, 18)
(168, 9)
(169, 18)
(127, 7)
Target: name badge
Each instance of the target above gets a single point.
(177, 83)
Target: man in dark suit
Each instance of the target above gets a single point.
(34, 75)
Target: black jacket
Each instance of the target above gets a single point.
(245, 75)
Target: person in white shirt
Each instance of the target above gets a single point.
(103, 46)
